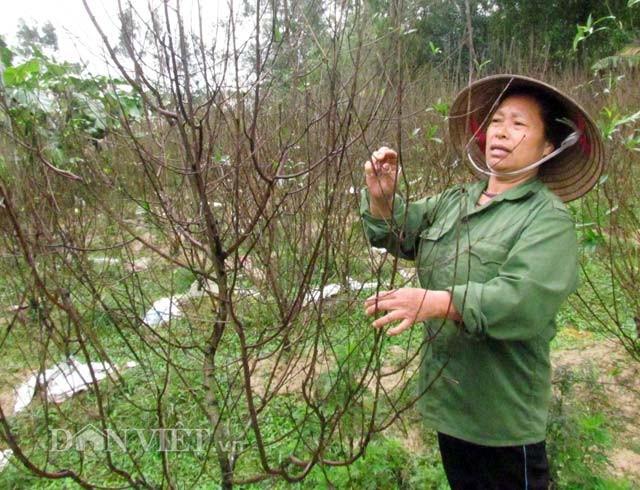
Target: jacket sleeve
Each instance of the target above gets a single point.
(399, 233)
(540, 271)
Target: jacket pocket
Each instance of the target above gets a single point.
(445, 261)
(485, 259)
(433, 255)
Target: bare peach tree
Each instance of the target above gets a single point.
(229, 190)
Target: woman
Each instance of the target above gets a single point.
(495, 259)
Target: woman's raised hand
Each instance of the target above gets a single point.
(381, 173)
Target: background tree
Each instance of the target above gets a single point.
(539, 33)
(35, 37)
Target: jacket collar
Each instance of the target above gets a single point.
(521, 191)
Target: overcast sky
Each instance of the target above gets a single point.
(77, 37)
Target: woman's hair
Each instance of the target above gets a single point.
(551, 110)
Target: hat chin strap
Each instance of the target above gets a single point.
(568, 142)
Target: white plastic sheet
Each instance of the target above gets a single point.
(104, 260)
(200, 288)
(356, 285)
(4, 458)
(162, 311)
(60, 382)
(325, 292)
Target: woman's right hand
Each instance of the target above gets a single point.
(381, 173)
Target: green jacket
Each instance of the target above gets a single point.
(509, 265)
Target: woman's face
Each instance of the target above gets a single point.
(515, 136)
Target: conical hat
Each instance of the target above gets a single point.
(570, 174)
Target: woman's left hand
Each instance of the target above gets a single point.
(409, 306)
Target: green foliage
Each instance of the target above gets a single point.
(6, 56)
(388, 465)
(622, 30)
(51, 104)
(589, 28)
(592, 239)
(613, 121)
(579, 435)
(441, 108)
(590, 224)
(632, 142)
(24, 74)
(435, 50)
